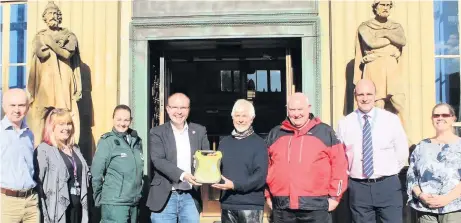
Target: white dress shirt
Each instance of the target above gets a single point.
(390, 144)
(183, 155)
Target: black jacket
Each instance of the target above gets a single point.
(162, 147)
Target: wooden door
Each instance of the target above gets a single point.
(290, 85)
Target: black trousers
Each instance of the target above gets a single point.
(74, 210)
(242, 216)
(300, 216)
(380, 200)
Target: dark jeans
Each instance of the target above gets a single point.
(382, 200)
(300, 216)
(242, 216)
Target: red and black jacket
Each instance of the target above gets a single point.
(306, 166)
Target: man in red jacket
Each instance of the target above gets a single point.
(307, 166)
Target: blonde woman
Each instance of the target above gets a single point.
(434, 174)
(63, 172)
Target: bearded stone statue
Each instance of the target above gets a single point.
(378, 49)
(54, 76)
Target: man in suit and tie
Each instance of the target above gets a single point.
(174, 194)
(377, 149)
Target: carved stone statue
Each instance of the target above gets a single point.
(378, 49)
(54, 77)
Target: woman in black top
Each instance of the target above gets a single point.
(63, 172)
(74, 167)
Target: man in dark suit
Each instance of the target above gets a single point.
(174, 194)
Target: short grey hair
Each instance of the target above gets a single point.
(242, 103)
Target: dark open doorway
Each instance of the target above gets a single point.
(214, 73)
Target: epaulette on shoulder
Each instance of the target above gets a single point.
(105, 135)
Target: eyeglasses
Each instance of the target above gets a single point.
(442, 115)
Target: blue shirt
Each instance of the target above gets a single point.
(16, 156)
(436, 169)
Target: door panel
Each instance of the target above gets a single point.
(165, 76)
(162, 91)
(290, 86)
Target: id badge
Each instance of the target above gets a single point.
(75, 191)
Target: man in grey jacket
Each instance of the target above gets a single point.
(174, 194)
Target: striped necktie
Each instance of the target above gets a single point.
(367, 148)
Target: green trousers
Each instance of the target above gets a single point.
(119, 214)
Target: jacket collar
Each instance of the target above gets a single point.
(313, 121)
(370, 114)
(186, 128)
(6, 124)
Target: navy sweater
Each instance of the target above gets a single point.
(245, 163)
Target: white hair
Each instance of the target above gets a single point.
(296, 94)
(245, 105)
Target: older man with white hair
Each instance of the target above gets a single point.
(19, 199)
(244, 169)
(307, 166)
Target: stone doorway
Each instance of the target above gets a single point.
(154, 22)
(214, 74)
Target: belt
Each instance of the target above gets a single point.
(17, 193)
(182, 191)
(371, 180)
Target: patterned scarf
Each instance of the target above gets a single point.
(241, 135)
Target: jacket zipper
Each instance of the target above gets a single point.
(289, 149)
(135, 166)
(301, 149)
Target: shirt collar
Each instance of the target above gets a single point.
(370, 114)
(186, 128)
(6, 124)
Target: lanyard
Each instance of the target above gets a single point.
(74, 166)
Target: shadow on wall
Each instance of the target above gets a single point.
(85, 106)
(87, 143)
(349, 94)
